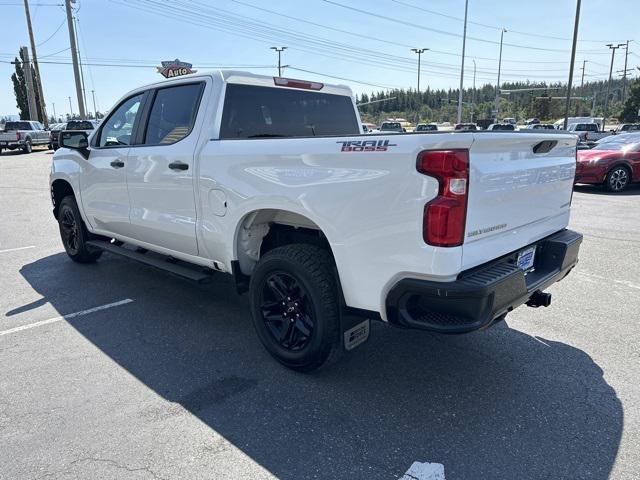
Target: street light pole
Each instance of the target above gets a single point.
(95, 112)
(613, 49)
(71, 108)
(419, 51)
(502, 32)
(464, 42)
(55, 117)
(573, 59)
(279, 50)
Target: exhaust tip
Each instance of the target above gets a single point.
(539, 299)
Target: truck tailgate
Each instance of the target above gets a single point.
(516, 196)
(8, 137)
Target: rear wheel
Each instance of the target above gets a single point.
(295, 306)
(27, 148)
(74, 234)
(617, 179)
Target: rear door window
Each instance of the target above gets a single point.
(173, 114)
(262, 112)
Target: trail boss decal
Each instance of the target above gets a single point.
(175, 68)
(365, 145)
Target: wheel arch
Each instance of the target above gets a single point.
(263, 229)
(60, 188)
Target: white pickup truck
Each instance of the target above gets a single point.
(271, 180)
(23, 134)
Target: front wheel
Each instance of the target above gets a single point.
(295, 306)
(74, 234)
(617, 179)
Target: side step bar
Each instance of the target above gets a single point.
(167, 263)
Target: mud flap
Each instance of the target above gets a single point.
(355, 331)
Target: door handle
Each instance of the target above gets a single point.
(117, 164)
(178, 166)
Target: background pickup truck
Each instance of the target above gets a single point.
(24, 135)
(271, 180)
(588, 132)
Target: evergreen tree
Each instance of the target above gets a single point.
(632, 105)
(20, 91)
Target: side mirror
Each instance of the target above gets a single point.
(75, 140)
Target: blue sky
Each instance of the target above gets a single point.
(362, 41)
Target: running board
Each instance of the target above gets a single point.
(166, 263)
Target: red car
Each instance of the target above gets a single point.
(614, 164)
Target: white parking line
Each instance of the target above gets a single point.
(65, 317)
(424, 471)
(16, 249)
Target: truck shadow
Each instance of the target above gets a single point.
(499, 404)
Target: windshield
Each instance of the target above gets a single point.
(391, 126)
(12, 126)
(619, 146)
(426, 128)
(79, 125)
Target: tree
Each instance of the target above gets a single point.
(632, 105)
(20, 91)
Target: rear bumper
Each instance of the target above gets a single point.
(483, 295)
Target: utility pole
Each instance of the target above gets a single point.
(573, 59)
(74, 58)
(473, 98)
(624, 77)
(55, 117)
(502, 32)
(95, 111)
(84, 92)
(419, 51)
(28, 76)
(71, 108)
(464, 42)
(43, 109)
(606, 100)
(584, 62)
(279, 50)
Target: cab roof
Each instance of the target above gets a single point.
(248, 78)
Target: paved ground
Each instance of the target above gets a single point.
(174, 384)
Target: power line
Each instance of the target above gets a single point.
(388, 41)
(64, 20)
(443, 32)
(493, 27)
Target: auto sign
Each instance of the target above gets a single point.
(175, 68)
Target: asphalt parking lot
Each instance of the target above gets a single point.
(168, 380)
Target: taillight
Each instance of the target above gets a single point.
(445, 216)
(18, 135)
(293, 83)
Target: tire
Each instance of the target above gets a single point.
(295, 306)
(27, 147)
(74, 234)
(617, 179)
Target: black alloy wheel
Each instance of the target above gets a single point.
(295, 305)
(74, 234)
(286, 311)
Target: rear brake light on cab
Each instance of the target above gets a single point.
(445, 216)
(293, 83)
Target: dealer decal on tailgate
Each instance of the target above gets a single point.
(365, 145)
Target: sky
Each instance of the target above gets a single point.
(365, 44)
